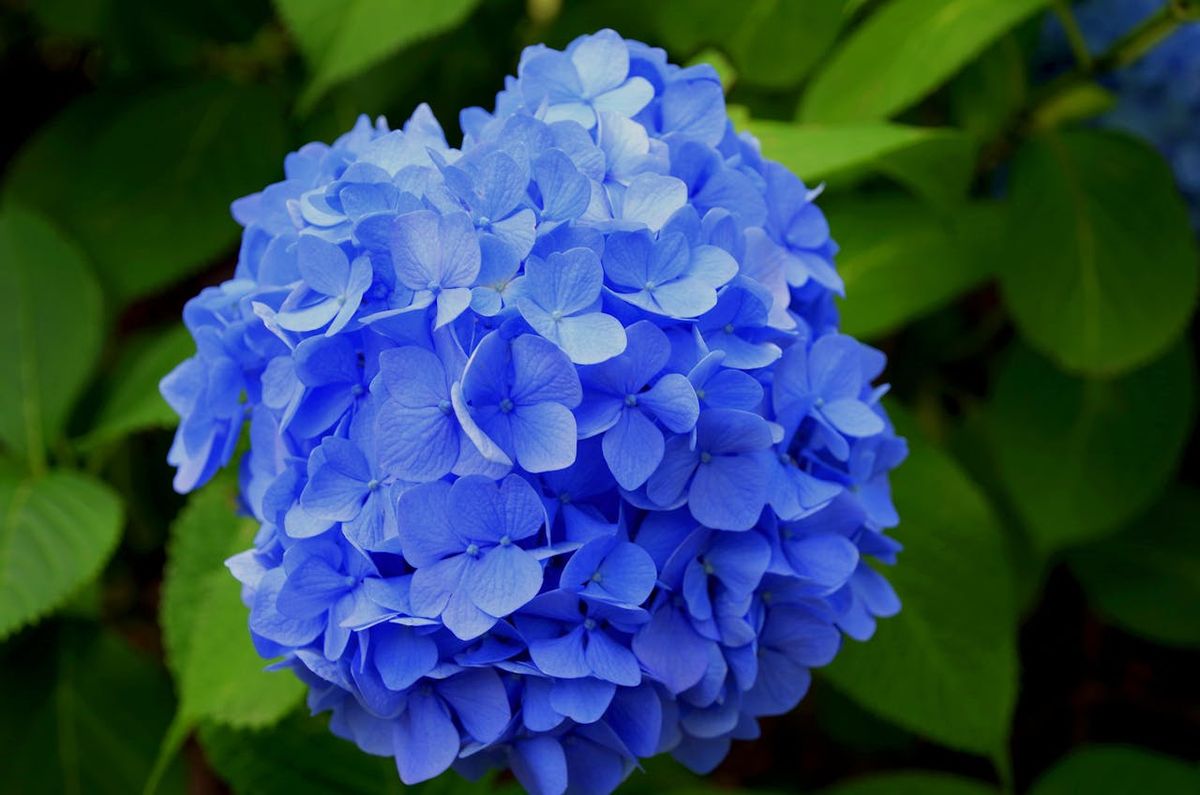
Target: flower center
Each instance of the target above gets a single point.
(597, 577)
(700, 394)
(556, 315)
(589, 624)
(473, 550)
(349, 580)
(705, 457)
(631, 400)
(728, 328)
(372, 484)
(565, 498)
(650, 285)
(356, 390)
(444, 406)
(506, 405)
(505, 541)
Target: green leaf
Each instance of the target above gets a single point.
(82, 714)
(933, 161)
(912, 783)
(56, 532)
(900, 260)
(903, 52)
(946, 666)
(772, 43)
(133, 402)
(1101, 272)
(991, 90)
(51, 336)
(340, 40)
(1077, 457)
(144, 181)
(1118, 770)
(1147, 579)
(301, 756)
(205, 630)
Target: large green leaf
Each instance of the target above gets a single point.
(52, 332)
(946, 666)
(133, 402)
(900, 259)
(1147, 579)
(772, 43)
(1118, 770)
(144, 181)
(989, 92)
(56, 532)
(1078, 457)
(219, 674)
(339, 40)
(903, 52)
(1101, 271)
(933, 161)
(912, 783)
(82, 715)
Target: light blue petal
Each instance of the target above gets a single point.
(323, 266)
(590, 338)
(633, 448)
(416, 249)
(652, 198)
(601, 61)
(450, 304)
(627, 100)
(425, 740)
(505, 579)
(612, 662)
(402, 654)
(542, 372)
(728, 493)
(424, 515)
(544, 436)
(480, 701)
(582, 700)
(852, 417)
(416, 445)
(561, 657)
(672, 400)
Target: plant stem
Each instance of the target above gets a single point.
(1079, 48)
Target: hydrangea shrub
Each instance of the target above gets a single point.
(559, 458)
(1158, 95)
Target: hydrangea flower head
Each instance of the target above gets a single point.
(1157, 96)
(559, 458)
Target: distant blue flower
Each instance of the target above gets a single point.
(327, 272)
(437, 257)
(721, 473)
(515, 402)
(462, 540)
(560, 299)
(558, 457)
(620, 402)
(592, 76)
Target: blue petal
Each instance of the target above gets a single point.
(505, 578)
(670, 480)
(611, 661)
(417, 445)
(541, 373)
(652, 198)
(425, 740)
(633, 448)
(671, 651)
(728, 493)
(310, 589)
(480, 701)
(426, 534)
(544, 436)
(540, 765)
(582, 700)
(589, 338)
(323, 266)
(565, 192)
(672, 400)
(402, 655)
(562, 657)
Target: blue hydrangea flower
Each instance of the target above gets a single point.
(1157, 96)
(559, 458)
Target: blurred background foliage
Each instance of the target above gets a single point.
(1031, 278)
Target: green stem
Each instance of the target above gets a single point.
(1079, 48)
(1131, 47)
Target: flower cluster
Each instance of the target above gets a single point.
(1158, 96)
(559, 458)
